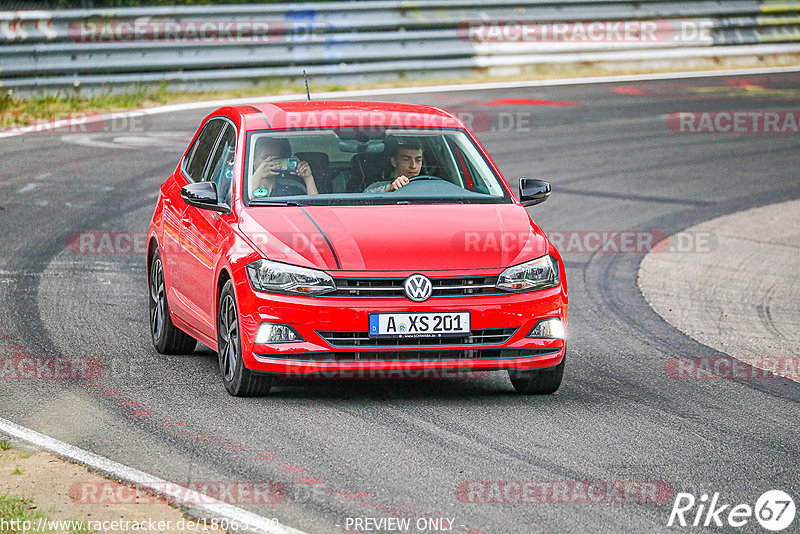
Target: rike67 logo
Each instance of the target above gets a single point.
(774, 510)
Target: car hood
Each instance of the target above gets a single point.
(417, 237)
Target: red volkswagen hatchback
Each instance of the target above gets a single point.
(352, 239)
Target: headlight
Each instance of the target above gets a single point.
(551, 328)
(274, 277)
(540, 273)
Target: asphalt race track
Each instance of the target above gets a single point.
(401, 448)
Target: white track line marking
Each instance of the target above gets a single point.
(26, 188)
(249, 521)
(487, 86)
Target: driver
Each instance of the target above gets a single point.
(406, 164)
(269, 180)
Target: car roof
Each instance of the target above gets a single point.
(338, 113)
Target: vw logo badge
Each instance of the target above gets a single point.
(418, 287)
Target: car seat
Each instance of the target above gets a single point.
(320, 168)
(366, 169)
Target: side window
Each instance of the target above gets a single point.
(198, 155)
(220, 167)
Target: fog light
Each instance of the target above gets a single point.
(276, 333)
(551, 328)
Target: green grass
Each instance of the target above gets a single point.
(75, 4)
(19, 111)
(14, 508)
(17, 471)
(40, 105)
(5, 445)
(17, 508)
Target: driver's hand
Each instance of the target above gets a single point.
(399, 182)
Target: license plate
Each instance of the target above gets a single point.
(430, 324)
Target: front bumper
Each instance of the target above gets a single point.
(314, 318)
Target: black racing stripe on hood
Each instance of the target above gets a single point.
(330, 246)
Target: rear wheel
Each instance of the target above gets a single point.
(538, 382)
(238, 380)
(167, 339)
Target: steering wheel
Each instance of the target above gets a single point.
(424, 177)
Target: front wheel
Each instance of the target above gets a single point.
(238, 380)
(538, 382)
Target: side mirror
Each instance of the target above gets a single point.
(532, 191)
(203, 195)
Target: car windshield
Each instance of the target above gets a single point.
(362, 166)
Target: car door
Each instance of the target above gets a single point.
(171, 230)
(202, 234)
(191, 170)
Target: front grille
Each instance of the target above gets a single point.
(487, 336)
(408, 355)
(393, 287)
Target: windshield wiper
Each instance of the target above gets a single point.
(273, 203)
(432, 201)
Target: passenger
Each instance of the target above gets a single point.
(269, 180)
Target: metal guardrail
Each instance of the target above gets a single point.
(241, 44)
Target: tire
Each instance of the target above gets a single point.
(540, 382)
(237, 379)
(167, 338)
